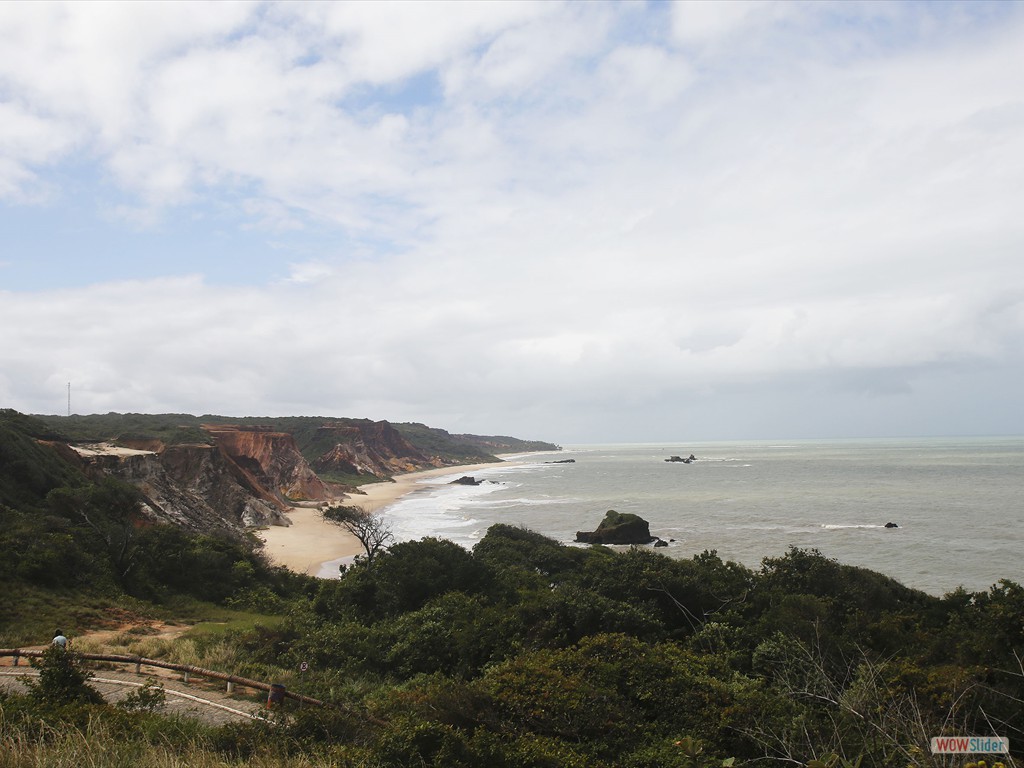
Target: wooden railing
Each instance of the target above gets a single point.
(186, 669)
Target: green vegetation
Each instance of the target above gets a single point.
(506, 444)
(313, 442)
(29, 470)
(436, 442)
(170, 428)
(62, 678)
(520, 653)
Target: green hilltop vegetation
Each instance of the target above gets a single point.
(178, 428)
(522, 653)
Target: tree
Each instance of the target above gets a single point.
(371, 529)
(110, 509)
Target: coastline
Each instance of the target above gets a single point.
(317, 548)
(305, 544)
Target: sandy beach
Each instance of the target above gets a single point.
(310, 545)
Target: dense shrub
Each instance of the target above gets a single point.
(62, 678)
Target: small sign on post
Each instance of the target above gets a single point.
(302, 673)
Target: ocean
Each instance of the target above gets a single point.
(959, 503)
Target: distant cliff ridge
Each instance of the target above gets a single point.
(226, 474)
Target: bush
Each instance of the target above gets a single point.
(149, 698)
(62, 679)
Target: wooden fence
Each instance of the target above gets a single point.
(186, 669)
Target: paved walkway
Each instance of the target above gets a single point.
(200, 699)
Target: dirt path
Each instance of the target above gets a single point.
(193, 699)
(206, 700)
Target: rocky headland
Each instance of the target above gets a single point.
(228, 475)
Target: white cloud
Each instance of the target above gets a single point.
(535, 205)
(705, 21)
(384, 43)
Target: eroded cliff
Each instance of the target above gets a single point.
(219, 473)
(267, 460)
(368, 448)
(192, 486)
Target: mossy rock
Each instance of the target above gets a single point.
(618, 528)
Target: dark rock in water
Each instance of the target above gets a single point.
(466, 480)
(562, 461)
(687, 460)
(660, 543)
(891, 525)
(618, 528)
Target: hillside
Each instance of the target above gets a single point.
(525, 652)
(223, 474)
(315, 436)
(520, 652)
(28, 468)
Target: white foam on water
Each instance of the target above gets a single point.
(516, 502)
(436, 509)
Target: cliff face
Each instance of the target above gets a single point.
(248, 477)
(207, 473)
(230, 474)
(370, 448)
(192, 486)
(265, 460)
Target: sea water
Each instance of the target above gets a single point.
(959, 503)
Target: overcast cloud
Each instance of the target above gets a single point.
(579, 222)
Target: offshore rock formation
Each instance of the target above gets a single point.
(688, 460)
(618, 528)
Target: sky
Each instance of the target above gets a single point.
(578, 222)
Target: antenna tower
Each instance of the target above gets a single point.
(69, 398)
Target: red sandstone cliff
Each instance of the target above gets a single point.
(368, 448)
(193, 486)
(245, 475)
(265, 460)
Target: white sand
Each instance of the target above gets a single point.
(107, 449)
(317, 548)
(307, 542)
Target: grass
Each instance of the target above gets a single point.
(108, 740)
(351, 480)
(29, 615)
